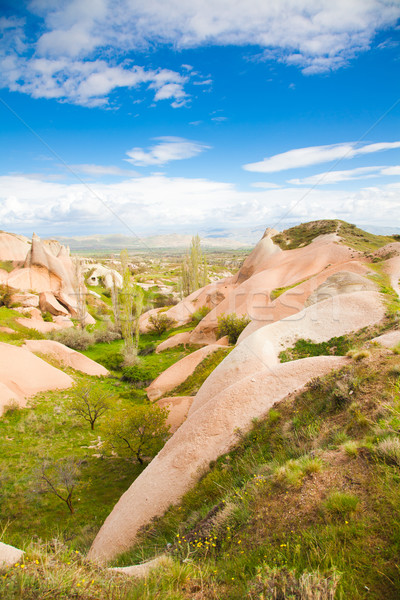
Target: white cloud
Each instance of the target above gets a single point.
(337, 176)
(168, 148)
(266, 185)
(74, 37)
(391, 170)
(312, 155)
(99, 170)
(160, 202)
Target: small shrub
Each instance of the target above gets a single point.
(280, 583)
(395, 371)
(139, 374)
(232, 326)
(48, 317)
(389, 450)
(294, 470)
(160, 323)
(358, 354)
(340, 504)
(396, 349)
(351, 448)
(148, 349)
(112, 360)
(107, 334)
(5, 296)
(200, 313)
(77, 339)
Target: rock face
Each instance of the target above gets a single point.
(343, 282)
(38, 376)
(9, 555)
(13, 247)
(48, 303)
(320, 322)
(174, 340)
(244, 386)
(178, 372)
(110, 277)
(44, 267)
(200, 439)
(264, 270)
(66, 356)
(178, 407)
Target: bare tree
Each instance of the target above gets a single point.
(61, 478)
(90, 401)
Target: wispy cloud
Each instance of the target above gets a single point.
(100, 170)
(312, 155)
(77, 51)
(168, 149)
(329, 177)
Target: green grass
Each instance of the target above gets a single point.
(281, 290)
(48, 429)
(193, 383)
(6, 265)
(302, 235)
(8, 318)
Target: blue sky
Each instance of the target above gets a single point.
(170, 115)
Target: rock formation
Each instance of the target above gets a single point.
(38, 376)
(323, 293)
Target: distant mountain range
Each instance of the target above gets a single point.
(218, 239)
(229, 241)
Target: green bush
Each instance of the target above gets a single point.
(77, 339)
(5, 296)
(137, 432)
(139, 374)
(106, 334)
(232, 326)
(48, 317)
(148, 349)
(112, 360)
(160, 323)
(200, 313)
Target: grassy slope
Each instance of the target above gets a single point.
(308, 490)
(356, 238)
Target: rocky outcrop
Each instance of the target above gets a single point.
(178, 409)
(200, 439)
(13, 247)
(9, 556)
(244, 386)
(178, 372)
(48, 303)
(343, 282)
(23, 375)
(66, 356)
(175, 340)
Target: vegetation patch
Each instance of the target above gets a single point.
(193, 383)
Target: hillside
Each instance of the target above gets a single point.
(279, 478)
